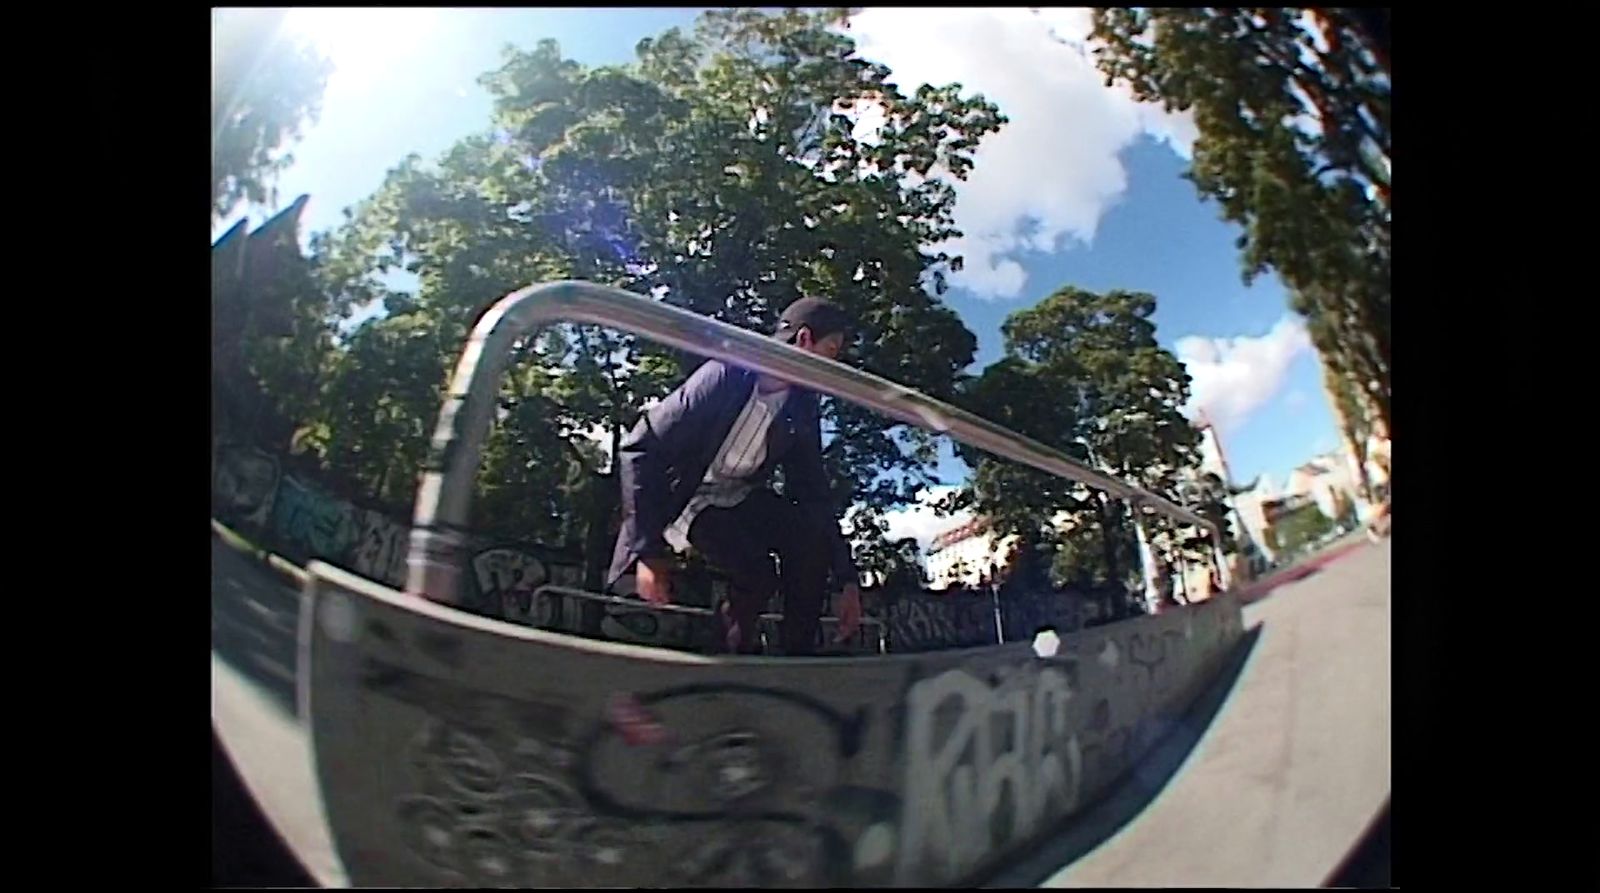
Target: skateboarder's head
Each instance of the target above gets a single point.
(813, 325)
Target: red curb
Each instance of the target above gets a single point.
(1260, 588)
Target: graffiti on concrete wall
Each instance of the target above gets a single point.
(632, 621)
(1024, 614)
(671, 777)
(381, 545)
(991, 758)
(615, 619)
(507, 578)
(311, 523)
(868, 638)
(1148, 653)
(987, 761)
(541, 610)
(929, 622)
(303, 522)
(697, 785)
(246, 481)
(641, 624)
(681, 627)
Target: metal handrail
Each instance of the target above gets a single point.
(444, 493)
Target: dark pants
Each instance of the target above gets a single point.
(739, 541)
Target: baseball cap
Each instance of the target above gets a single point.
(821, 316)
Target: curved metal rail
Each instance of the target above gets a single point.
(443, 496)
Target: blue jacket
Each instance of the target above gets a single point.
(664, 458)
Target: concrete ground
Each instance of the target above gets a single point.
(1283, 766)
(254, 611)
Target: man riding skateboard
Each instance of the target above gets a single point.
(694, 471)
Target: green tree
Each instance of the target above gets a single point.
(756, 190)
(1082, 372)
(1207, 496)
(1355, 424)
(1297, 529)
(717, 172)
(462, 228)
(270, 337)
(895, 566)
(269, 332)
(1345, 515)
(265, 86)
(1293, 119)
(372, 419)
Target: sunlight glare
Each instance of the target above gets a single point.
(364, 44)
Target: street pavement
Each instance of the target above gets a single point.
(254, 612)
(1284, 770)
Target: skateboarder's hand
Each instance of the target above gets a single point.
(655, 581)
(849, 611)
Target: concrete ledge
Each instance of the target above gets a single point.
(295, 574)
(451, 749)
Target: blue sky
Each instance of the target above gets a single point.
(1161, 239)
(1083, 187)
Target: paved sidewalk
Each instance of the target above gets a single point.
(1279, 786)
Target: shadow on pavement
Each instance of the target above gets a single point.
(245, 849)
(1367, 866)
(1295, 575)
(1313, 565)
(254, 621)
(1129, 796)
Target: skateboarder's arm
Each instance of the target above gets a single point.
(664, 435)
(807, 484)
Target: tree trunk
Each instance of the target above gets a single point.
(1358, 449)
(1110, 530)
(1108, 543)
(599, 505)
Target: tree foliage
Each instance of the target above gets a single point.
(269, 339)
(1207, 495)
(1358, 425)
(265, 87)
(725, 171)
(1298, 529)
(1082, 372)
(891, 565)
(1293, 118)
(722, 171)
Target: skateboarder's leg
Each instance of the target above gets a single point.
(803, 553)
(733, 541)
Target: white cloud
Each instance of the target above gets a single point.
(920, 522)
(1050, 173)
(1233, 377)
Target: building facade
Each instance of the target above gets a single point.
(966, 555)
